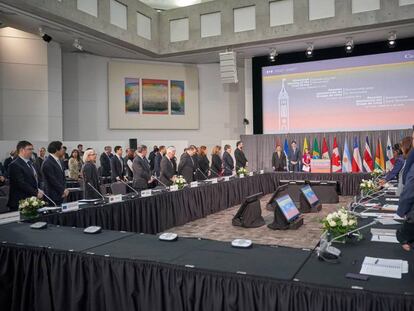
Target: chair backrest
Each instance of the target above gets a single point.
(118, 188)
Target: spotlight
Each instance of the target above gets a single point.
(45, 36)
(272, 55)
(392, 39)
(349, 45)
(309, 50)
(76, 44)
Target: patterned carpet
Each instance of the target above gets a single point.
(218, 227)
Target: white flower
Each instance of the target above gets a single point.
(345, 223)
(332, 223)
(35, 204)
(329, 217)
(352, 222)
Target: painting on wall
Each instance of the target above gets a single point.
(131, 95)
(154, 96)
(177, 97)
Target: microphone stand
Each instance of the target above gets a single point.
(47, 197)
(155, 177)
(94, 189)
(126, 184)
(202, 173)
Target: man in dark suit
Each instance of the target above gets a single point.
(38, 165)
(228, 162)
(8, 161)
(141, 170)
(241, 160)
(168, 167)
(295, 157)
(53, 172)
(279, 159)
(151, 157)
(23, 176)
(65, 158)
(105, 160)
(187, 166)
(118, 165)
(128, 160)
(157, 161)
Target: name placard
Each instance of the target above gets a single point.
(146, 193)
(69, 207)
(174, 188)
(115, 198)
(241, 175)
(251, 174)
(194, 184)
(226, 178)
(214, 181)
(261, 172)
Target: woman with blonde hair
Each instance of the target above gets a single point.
(203, 163)
(90, 175)
(216, 162)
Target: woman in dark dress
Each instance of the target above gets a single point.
(216, 163)
(90, 175)
(203, 163)
(279, 159)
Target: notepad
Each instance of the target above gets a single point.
(388, 268)
(384, 238)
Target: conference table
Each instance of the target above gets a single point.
(165, 210)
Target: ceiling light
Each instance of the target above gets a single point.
(77, 45)
(392, 39)
(309, 50)
(349, 45)
(273, 54)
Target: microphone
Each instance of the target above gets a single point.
(155, 177)
(327, 252)
(202, 173)
(126, 184)
(218, 175)
(47, 197)
(94, 189)
(380, 193)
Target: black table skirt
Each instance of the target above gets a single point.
(163, 211)
(47, 279)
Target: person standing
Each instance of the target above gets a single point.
(8, 161)
(279, 160)
(105, 160)
(157, 161)
(75, 165)
(241, 160)
(228, 162)
(187, 165)
(151, 157)
(295, 158)
(118, 165)
(38, 165)
(168, 167)
(203, 164)
(128, 161)
(90, 175)
(142, 171)
(53, 172)
(216, 162)
(22, 176)
(306, 161)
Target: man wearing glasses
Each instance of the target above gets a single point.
(23, 177)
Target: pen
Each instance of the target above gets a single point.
(376, 261)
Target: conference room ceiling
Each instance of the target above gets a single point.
(92, 45)
(171, 4)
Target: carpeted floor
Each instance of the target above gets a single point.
(218, 227)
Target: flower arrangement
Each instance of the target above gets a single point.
(29, 206)
(339, 223)
(180, 182)
(242, 171)
(377, 173)
(367, 187)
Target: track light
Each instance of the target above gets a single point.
(76, 44)
(272, 55)
(349, 45)
(45, 36)
(309, 50)
(392, 39)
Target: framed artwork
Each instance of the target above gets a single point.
(154, 96)
(131, 95)
(177, 97)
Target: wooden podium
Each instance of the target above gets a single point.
(320, 166)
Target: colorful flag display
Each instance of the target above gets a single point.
(389, 158)
(356, 158)
(368, 162)
(325, 151)
(336, 159)
(379, 157)
(316, 154)
(346, 159)
(305, 145)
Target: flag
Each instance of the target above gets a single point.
(356, 158)
(368, 161)
(316, 154)
(389, 164)
(346, 159)
(305, 145)
(286, 151)
(336, 159)
(325, 151)
(379, 157)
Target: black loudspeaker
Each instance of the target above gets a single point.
(249, 214)
(133, 143)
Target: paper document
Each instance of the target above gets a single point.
(388, 221)
(390, 207)
(384, 238)
(388, 268)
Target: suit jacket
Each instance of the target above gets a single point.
(54, 179)
(38, 166)
(241, 160)
(90, 175)
(203, 165)
(142, 173)
(157, 164)
(228, 164)
(117, 168)
(167, 170)
(105, 164)
(406, 202)
(187, 167)
(23, 182)
(6, 164)
(151, 159)
(295, 156)
(128, 171)
(279, 163)
(216, 165)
